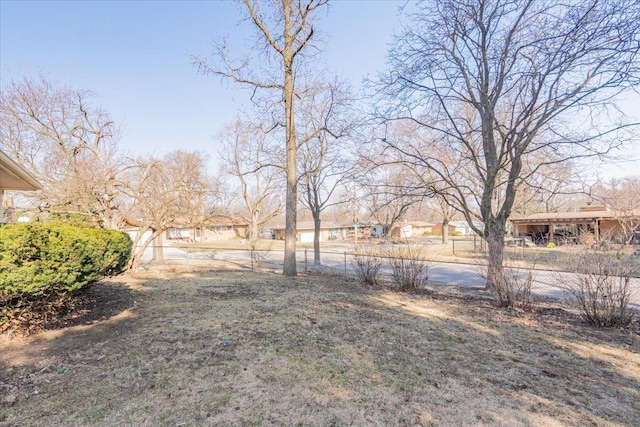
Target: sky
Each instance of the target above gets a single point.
(136, 57)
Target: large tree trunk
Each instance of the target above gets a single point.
(138, 252)
(316, 238)
(158, 248)
(291, 203)
(445, 231)
(495, 234)
(253, 227)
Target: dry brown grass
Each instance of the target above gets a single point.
(240, 348)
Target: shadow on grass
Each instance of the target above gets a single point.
(249, 348)
(503, 370)
(94, 311)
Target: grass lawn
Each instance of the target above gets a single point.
(239, 348)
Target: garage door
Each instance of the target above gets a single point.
(306, 236)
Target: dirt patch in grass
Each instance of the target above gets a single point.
(88, 305)
(240, 348)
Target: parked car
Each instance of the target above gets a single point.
(521, 241)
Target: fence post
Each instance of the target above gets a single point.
(305, 260)
(453, 241)
(474, 243)
(251, 255)
(345, 263)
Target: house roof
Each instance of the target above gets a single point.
(216, 221)
(15, 177)
(421, 224)
(227, 220)
(582, 215)
(477, 224)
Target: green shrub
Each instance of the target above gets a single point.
(75, 219)
(37, 259)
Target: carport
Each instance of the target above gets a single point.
(588, 221)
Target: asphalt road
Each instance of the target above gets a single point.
(545, 283)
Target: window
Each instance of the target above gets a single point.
(178, 233)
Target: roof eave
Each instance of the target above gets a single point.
(12, 167)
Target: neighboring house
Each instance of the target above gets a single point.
(463, 227)
(227, 227)
(401, 231)
(377, 230)
(213, 229)
(404, 230)
(437, 229)
(14, 177)
(305, 230)
(589, 224)
(133, 233)
(420, 228)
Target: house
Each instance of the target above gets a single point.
(305, 231)
(437, 230)
(401, 231)
(377, 230)
(420, 228)
(14, 177)
(462, 228)
(457, 228)
(588, 224)
(213, 229)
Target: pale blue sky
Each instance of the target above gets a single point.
(135, 55)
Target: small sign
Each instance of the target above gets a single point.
(355, 225)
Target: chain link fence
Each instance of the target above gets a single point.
(460, 254)
(461, 263)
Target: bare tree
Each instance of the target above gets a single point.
(548, 190)
(497, 81)
(622, 195)
(445, 210)
(165, 193)
(244, 156)
(323, 162)
(68, 144)
(387, 194)
(71, 147)
(285, 28)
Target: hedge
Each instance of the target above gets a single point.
(37, 259)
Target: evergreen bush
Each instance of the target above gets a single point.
(55, 258)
